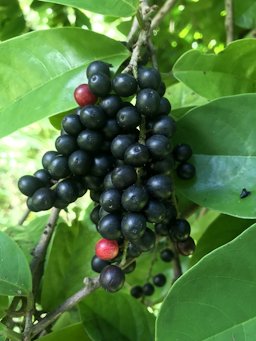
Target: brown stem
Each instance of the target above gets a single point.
(24, 217)
(40, 250)
(167, 6)
(229, 21)
(91, 284)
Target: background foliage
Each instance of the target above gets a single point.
(212, 90)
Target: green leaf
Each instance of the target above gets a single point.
(118, 316)
(115, 8)
(15, 275)
(219, 232)
(12, 22)
(68, 262)
(223, 142)
(41, 82)
(76, 332)
(4, 303)
(230, 72)
(215, 300)
(245, 13)
(182, 96)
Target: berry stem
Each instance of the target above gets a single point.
(91, 284)
(123, 261)
(24, 217)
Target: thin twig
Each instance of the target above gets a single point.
(91, 284)
(133, 32)
(153, 54)
(24, 217)
(41, 248)
(229, 21)
(167, 6)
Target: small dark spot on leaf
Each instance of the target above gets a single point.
(244, 193)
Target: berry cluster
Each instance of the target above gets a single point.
(122, 153)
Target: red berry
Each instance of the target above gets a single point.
(106, 249)
(84, 96)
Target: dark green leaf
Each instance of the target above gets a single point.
(15, 276)
(4, 303)
(68, 262)
(219, 232)
(115, 8)
(12, 22)
(231, 72)
(42, 80)
(223, 141)
(76, 332)
(215, 299)
(118, 316)
(245, 13)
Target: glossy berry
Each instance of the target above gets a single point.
(48, 157)
(160, 186)
(162, 88)
(28, 184)
(164, 125)
(96, 67)
(93, 117)
(59, 203)
(43, 199)
(124, 85)
(84, 96)
(66, 144)
(110, 226)
(159, 146)
(162, 229)
(136, 155)
(123, 176)
(67, 191)
(147, 102)
(133, 250)
(186, 247)
(58, 168)
(98, 264)
(111, 104)
(101, 164)
(94, 215)
(134, 198)
(112, 278)
(182, 152)
(71, 124)
(110, 200)
(106, 249)
(149, 78)
(111, 129)
(165, 106)
(80, 185)
(148, 289)
(159, 280)
(133, 225)
(186, 171)
(167, 255)
(155, 211)
(90, 140)
(100, 84)
(180, 229)
(128, 118)
(147, 241)
(94, 183)
(44, 176)
(137, 291)
(164, 166)
(119, 145)
(130, 268)
(79, 162)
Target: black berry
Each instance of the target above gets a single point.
(112, 278)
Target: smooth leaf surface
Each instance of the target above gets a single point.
(219, 232)
(115, 8)
(215, 300)
(76, 332)
(118, 316)
(245, 13)
(4, 303)
(15, 276)
(69, 261)
(223, 142)
(41, 82)
(230, 72)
